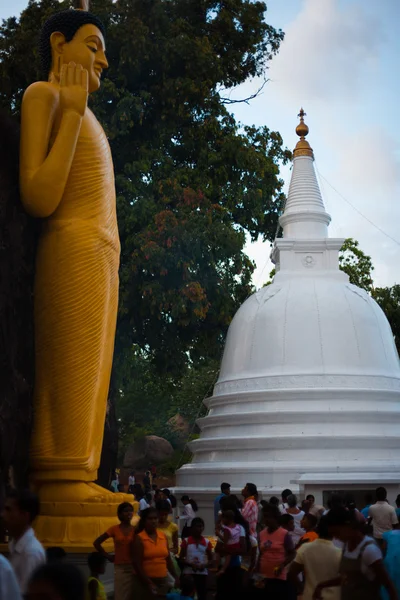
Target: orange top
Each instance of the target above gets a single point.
(155, 554)
(122, 544)
(310, 536)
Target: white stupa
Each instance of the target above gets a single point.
(308, 395)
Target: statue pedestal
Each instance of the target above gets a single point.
(74, 526)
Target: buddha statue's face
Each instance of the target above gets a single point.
(87, 48)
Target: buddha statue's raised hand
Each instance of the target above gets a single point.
(73, 88)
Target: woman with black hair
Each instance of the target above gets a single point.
(122, 535)
(151, 558)
(189, 512)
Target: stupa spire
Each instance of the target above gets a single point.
(304, 216)
(303, 148)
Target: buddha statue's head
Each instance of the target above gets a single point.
(73, 36)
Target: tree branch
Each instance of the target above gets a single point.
(225, 100)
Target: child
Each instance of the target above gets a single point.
(229, 533)
(187, 590)
(195, 557)
(97, 566)
(308, 523)
(287, 522)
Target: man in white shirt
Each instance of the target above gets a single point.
(384, 517)
(9, 588)
(26, 553)
(320, 561)
(131, 482)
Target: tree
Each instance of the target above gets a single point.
(191, 181)
(388, 299)
(357, 264)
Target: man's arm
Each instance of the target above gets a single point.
(294, 571)
(44, 174)
(383, 578)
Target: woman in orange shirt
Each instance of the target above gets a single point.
(122, 535)
(151, 558)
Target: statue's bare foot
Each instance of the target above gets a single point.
(80, 492)
(110, 496)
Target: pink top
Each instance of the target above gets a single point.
(273, 548)
(250, 513)
(235, 532)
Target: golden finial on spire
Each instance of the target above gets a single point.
(303, 148)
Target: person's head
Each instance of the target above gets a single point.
(342, 523)
(73, 36)
(287, 522)
(274, 501)
(271, 516)
(197, 527)
(154, 487)
(185, 500)
(55, 554)
(148, 521)
(187, 586)
(147, 473)
(291, 501)
(132, 473)
(250, 489)
(398, 501)
(148, 497)
(226, 488)
(97, 563)
(285, 494)
(138, 493)
(336, 501)
(381, 494)
(310, 499)
(125, 512)
(166, 492)
(56, 581)
(228, 517)
(163, 508)
(323, 529)
(229, 503)
(309, 522)
(20, 510)
(368, 499)
(350, 502)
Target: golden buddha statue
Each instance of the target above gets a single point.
(67, 180)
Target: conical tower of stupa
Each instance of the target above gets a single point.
(308, 395)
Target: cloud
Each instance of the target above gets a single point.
(328, 48)
(367, 175)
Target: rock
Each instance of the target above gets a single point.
(149, 450)
(180, 425)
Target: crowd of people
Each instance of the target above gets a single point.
(275, 549)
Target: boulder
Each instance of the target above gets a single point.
(179, 425)
(147, 451)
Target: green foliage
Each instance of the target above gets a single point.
(389, 300)
(357, 264)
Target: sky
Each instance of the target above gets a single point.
(339, 61)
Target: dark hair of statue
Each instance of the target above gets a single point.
(66, 22)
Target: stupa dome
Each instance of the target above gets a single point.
(308, 395)
(307, 325)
